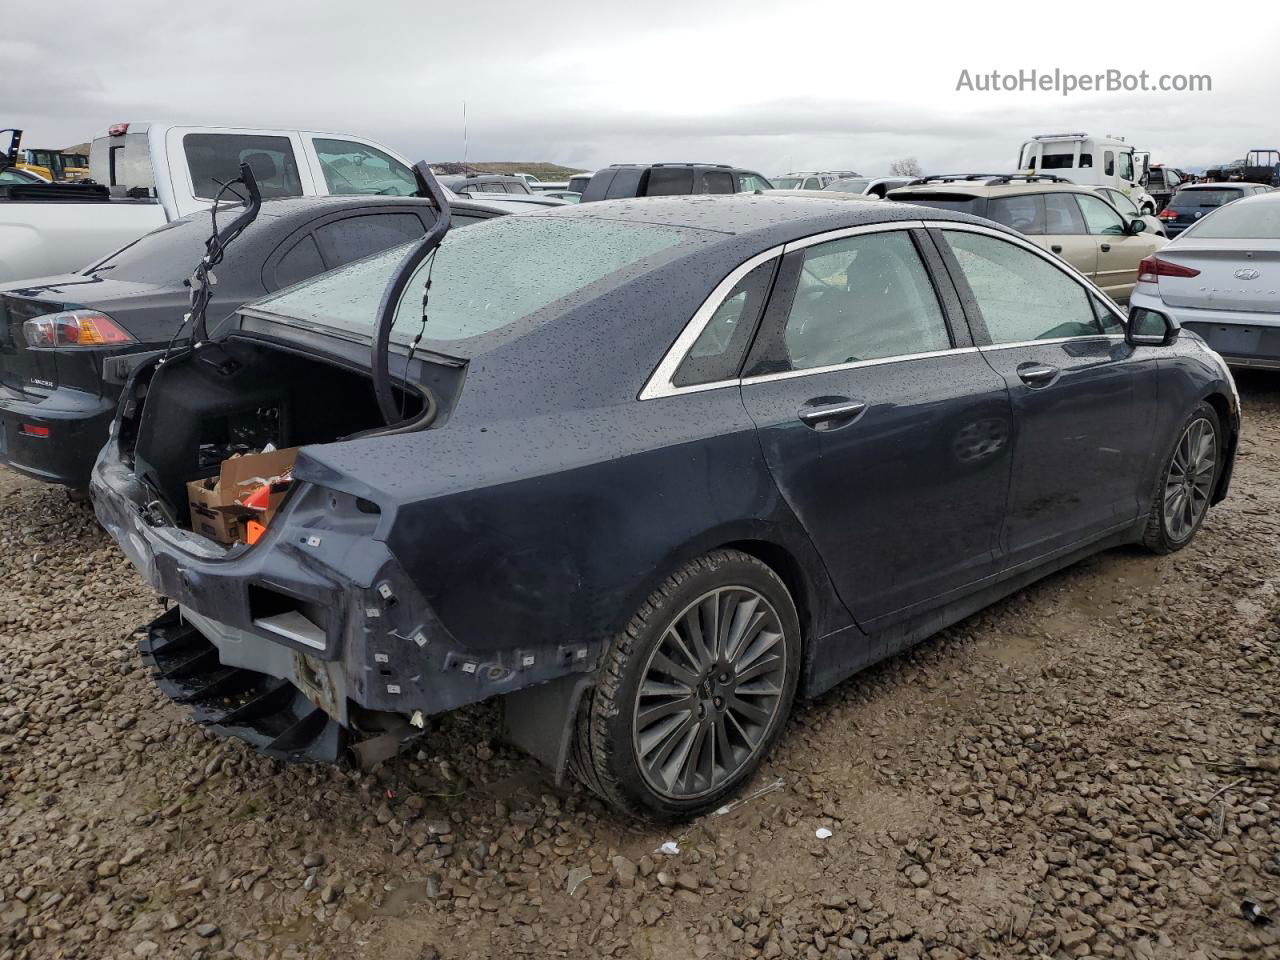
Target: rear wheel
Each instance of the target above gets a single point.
(1187, 481)
(694, 692)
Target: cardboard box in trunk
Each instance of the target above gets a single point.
(217, 511)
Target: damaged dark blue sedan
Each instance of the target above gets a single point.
(656, 467)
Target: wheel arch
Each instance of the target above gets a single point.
(1222, 407)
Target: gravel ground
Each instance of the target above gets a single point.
(1089, 768)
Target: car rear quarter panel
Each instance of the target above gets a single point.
(553, 529)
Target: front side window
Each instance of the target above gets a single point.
(863, 298)
(718, 351)
(215, 158)
(355, 168)
(1126, 166)
(1022, 212)
(1020, 295)
(1122, 203)
(750, 183)
(489, 277)
(1099, 218)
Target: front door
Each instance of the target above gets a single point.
(885, 430)
(1079, 410)
(1119, 251)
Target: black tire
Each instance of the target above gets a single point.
(1161, 536)
(608, 736)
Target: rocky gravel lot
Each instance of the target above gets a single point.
(1089, 768)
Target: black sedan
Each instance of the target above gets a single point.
(660, 466)
(68, 342)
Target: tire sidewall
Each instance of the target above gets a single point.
(724, 570)
(1202, 411)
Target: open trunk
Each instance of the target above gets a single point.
(184, 418)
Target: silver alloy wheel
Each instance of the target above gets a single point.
(709, 693)
(1189, 485)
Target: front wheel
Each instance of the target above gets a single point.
(694, 692)
(1187, 481)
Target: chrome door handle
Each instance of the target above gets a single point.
(1037, 375)
(825, 414)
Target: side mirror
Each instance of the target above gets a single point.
(1150, 328)
(1137, 226)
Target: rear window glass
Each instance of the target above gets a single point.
(1204, 198)
(165, 254)
(488, 277)
(1250, 220)
(944, 201)
(848, 186)
(215, 158)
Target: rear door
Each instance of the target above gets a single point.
(884, 429)
(1083, 400)
(1065, 233)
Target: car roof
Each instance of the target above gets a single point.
(981, 188)
(768, 216)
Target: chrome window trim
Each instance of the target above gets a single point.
(855, 364)
(659, 383)
(992, 347)
(1019, 240)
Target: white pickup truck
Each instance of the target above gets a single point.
(155, 173)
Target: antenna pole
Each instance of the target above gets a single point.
(465, 144)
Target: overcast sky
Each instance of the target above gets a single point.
(771, 86)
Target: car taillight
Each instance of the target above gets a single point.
(1151, 269)
(74, 328)
(1167, 214)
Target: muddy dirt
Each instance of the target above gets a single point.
(1088, 768)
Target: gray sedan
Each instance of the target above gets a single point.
(1221, 278)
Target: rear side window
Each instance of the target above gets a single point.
(1021, 295)
(669, 182)
(302, 261)
(1109, 163)
(215, 158)
(626, 183)
(863, 298)
(344, 241)
(718, 351)
(1022, 212)
(356, 168)
(717, 181)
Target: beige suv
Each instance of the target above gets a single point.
(1069, 220)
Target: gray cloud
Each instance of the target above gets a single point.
(727, 82)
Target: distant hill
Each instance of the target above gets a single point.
(543, 171)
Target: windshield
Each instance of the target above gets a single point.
(787, 183)
(848, 186)
(487, 277)
(1239, 221)
(1203, 198)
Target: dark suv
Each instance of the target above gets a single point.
(669, 180)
